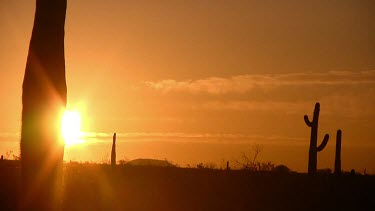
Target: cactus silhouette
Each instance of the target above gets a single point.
(338, 154)
(113, 153)
(43, 102)
(314, 149)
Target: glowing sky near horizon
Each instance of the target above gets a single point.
(246, 69)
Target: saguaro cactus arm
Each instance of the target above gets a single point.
(307, 121)
(323, 144)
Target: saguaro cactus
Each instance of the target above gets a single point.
(314, 149)
(43, 102)
(113, 153)
(338, 154)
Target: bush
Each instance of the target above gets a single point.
(282, 169)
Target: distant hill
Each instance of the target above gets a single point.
(150, 162)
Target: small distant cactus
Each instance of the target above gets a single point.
(113, 153)
(338, 154)
(228, 168)
(314, 149)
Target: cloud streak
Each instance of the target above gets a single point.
(223, 138)
(238, 138)
(245, 83)
(283, 106)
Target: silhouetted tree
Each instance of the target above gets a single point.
(248, 162)
(313, 150)
(43, 102)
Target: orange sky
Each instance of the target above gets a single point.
(209, 71)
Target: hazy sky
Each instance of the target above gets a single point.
(237, 71)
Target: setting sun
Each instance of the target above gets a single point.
(71, 127)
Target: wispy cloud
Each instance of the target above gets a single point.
(246, 83)
(237, 138)
(192, 137)
(289, 107)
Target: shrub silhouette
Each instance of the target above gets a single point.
(43, 101)
(281, 169)
(247, 162)
(313, 150)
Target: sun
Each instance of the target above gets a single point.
(71, 127)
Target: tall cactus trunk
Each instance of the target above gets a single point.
(314, 149)
(113, 153)
(313, 154)
(338, 154)
(43, 102)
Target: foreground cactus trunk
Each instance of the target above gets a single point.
(43, 102)
(113, 152)
(314, 148)
(338, 154)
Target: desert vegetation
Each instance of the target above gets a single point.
(38, 179)
(44, 95)
(92, 186)
(243, 184)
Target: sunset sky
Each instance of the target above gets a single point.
(203, 80)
